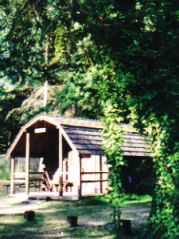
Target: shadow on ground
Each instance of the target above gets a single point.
(94, 221)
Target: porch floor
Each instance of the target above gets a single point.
(42, 195)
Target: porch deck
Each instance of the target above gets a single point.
(42, 195)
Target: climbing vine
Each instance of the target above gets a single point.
(112, 146)
(164, 219)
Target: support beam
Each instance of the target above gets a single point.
(74, 174)
(101, 175)
(27, 162)
(61, 162)
(80, 180)
(77, 175)
(12, 191)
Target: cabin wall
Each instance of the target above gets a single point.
(73, 175)
(94, 175)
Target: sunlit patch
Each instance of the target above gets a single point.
(10, 219)
(94, 221)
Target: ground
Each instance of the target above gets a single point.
(94, 219)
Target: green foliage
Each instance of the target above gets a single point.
(117, 60)
(112, 146)
(135, 75)
(9, 99)
(116, 221)
(4, 169)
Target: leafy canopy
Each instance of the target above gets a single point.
(117, 60)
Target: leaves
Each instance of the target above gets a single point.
(116, 60)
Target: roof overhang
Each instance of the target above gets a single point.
(47, 119)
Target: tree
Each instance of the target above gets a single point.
(116, 60)
(133, 68)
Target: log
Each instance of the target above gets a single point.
(29, 215)
(73, 221)
(126, 227)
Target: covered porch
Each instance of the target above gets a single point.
(43, 161)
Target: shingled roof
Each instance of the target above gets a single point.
(86, 135)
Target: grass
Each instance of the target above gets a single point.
(94, 218)
(51, 221)
(127, 200)
(135, 200)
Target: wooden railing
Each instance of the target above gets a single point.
(36, 179)
(46, 181)
(94, 172)
(100, 179)
(101, 173)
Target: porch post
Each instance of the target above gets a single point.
(80, 178)
(12, 175)
(61, 163)
(27, 162)
(101, 173)
(77, 175)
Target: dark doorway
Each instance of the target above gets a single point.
(45, 145)
(137, 176)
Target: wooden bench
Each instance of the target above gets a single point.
(65, 186)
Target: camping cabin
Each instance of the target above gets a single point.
(64, 157)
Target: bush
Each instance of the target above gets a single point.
(4, 168)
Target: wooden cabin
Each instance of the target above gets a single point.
(64, 156)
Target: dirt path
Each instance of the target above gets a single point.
(138, 214)
(13, 205)
(94, 220)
